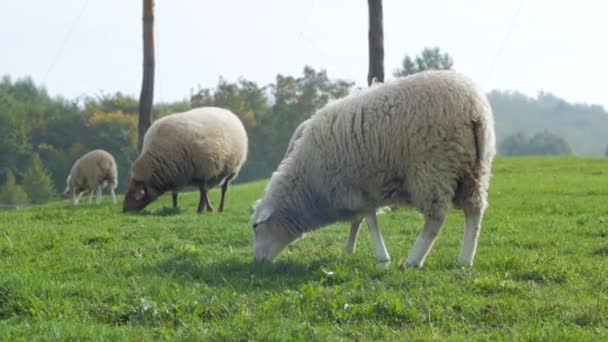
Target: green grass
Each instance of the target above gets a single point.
(94, 273)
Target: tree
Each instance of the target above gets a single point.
(541, 143)
(376, 42)
(146, 96)
(12, 193)
(430, 59)
(37, 182)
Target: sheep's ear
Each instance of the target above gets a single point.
(254, 205)
(140, 190)
(139, 194)
(265, 215)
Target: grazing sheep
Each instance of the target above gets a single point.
(203, 147)
(355, 224)
(92, 172)
(426, 140)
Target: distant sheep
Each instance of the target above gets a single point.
(91, 173)
(203, 147)
(426, 140)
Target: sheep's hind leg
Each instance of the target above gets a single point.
(473, 216)
(204, 199)
(174, 199)
(224, 189)
(380, 247)
(91, 196)
(351, 244)
(424, 243)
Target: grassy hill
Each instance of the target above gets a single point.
(93, 273)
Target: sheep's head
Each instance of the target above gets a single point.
(137, 197)
(271, 235)
(68, 187)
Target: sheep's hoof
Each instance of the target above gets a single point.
(384, 264)
(403, 265)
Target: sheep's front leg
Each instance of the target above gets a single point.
(424, 243)
(473, 218)
(91, 196)
(355, 225)
(381, 252)
(113, 193)
(99, 190)
(75, 197)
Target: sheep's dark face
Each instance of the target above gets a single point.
(137, 197)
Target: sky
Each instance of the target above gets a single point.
(92, 47)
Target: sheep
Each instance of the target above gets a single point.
(205, 147)
(426, 140)
(91, 173)
(355, 223)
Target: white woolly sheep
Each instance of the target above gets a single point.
(203, 147)
(426, 140)
(355, 224)
(91, 173)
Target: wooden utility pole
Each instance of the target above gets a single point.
(146, 98)
(376, 42)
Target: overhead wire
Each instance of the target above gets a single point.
(65, 40)
(504, 42)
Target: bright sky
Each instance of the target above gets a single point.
(78, 47)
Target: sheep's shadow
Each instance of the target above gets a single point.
(242, 276)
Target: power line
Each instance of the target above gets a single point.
(65, 40)
(504, 42)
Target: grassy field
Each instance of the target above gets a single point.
(94, 273)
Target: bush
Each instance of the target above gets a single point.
(37, 182)
(12, 193)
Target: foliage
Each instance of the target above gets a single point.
(541, 143)
(37, 182)
(61, 130)
(583, 126)
(270, 114)
(12, 193)
(94, 273)
(430, 59)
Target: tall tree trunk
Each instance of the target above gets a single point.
(146, 98)
(376, 42)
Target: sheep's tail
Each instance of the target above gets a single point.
(483, 135)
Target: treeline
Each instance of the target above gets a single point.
(526, 125)
(44, 135)
(41, 136)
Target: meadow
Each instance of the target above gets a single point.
(94, 273)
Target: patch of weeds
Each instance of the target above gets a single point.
(590, 317)
(602, 251)
(151, 313)
(98, 240)
(495, 284)
(544, 270)
(55, 216)
(582, 221)
(167, 211)
(9, 301)
(6, 247)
